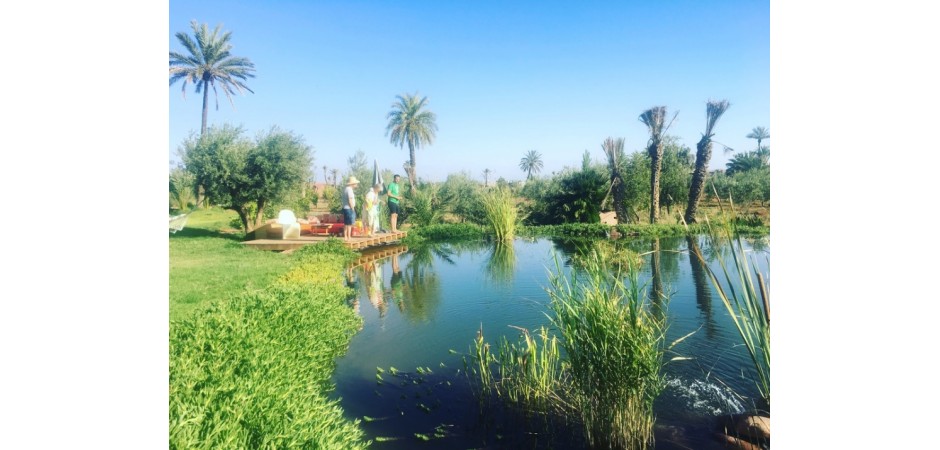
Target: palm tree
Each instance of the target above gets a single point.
(655, 120)
(486, 177)
(209, 64)
(759, 133)
(408, 123)
(531, 163)
(326, 180)
(713, 112)
(613, 148)
(335, 176)
(743, 162)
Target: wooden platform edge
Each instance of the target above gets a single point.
(356, 243)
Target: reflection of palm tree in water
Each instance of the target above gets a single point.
(422, 284)
(374, 287)
(397, 292)
(702, 292)
(656, 293)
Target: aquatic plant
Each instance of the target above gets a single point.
(501, 213)
(532, 372)
(746, 299)
(615, 345)
(602, 369)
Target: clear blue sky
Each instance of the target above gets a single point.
(502, 78)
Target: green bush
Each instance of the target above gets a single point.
(254, 371)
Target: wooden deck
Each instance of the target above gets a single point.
(375, 254)
(354, 243)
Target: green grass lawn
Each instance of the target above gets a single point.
(208, 263)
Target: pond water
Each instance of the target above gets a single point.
(422, 308)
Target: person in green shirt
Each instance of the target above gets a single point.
(394, 201)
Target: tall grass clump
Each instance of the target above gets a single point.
(530, 373)
(499, 208)
(614, 344)
(745, 296)
(601, 369)
(254, 370)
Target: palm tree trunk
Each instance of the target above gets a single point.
(411, 168)
(205, 107)
(699, 175)
(619, 203)
(656, 166)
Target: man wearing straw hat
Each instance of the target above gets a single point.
(349, 207)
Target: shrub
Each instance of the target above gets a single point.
(255, 371)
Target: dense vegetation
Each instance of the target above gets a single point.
(253, 370)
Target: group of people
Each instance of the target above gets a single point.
(371, 207)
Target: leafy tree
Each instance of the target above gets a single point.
(460, 193)
(713, 111)
(743, 187)
(209, 63)
(637, 183)
(409, 123)
(676, 175)
(246, 176)
(759, 133)
(613, 148)
(655, 121)
(531, 163)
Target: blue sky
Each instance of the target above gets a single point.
(502, 78)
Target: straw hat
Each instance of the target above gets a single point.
(352, 181)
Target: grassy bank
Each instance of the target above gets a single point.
(208, 264)
(253, 341)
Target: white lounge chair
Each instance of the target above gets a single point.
(290, 228)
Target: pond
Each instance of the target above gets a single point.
(422, 308)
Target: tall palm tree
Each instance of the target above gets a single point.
(335, 177)
(531, 163)
(326, 180)
(759, 133)
(486, 177)
(209, 64)
(655, 120)
(409, 123)
(713, 111)
(613, 148)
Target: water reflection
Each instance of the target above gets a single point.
(501, 265)
(439, 296)
(657, 297)
(374, 286)
(422, 285)
(703, 297)
(397, 291)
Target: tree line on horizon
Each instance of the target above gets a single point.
(209, 64)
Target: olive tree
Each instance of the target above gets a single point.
(245, 175)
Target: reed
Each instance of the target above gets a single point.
(744, 295)
(614, 344)
(532, 372)
(501, 213)
(602, 369)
